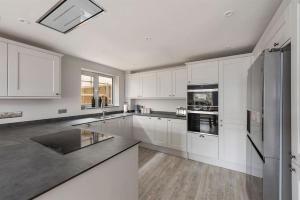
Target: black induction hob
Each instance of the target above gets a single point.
(71, 140)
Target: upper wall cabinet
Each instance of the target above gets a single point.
(134, 86)
(28, 72)
(203, 72)
(172, 83)
(32, 73)
(169, 83)
(3, 69)
(148, 83)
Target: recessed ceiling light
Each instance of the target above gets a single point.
(228, 13)
(22, 20)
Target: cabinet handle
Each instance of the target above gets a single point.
(293, 157)
(292, 170)
(276, 44)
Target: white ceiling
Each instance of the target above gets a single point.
(180, 30)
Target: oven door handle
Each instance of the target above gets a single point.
(204, 90)
(203, 112)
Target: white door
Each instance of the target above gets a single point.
(149, 86)
(295, 86)
(203, 72)
(177, 132)
(94, 126)
(143, 128)
(111, 126)
(295, 170)
(160, 131)
(125, 126)
(203, 145)
(3, 69)
(32, 73)
(164, 79)
(180, 82)
(232, 110)
(134, 86)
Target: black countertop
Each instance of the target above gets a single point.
(29, 169)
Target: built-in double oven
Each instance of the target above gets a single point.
(202, 105)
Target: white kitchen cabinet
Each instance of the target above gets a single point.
(93, 126)
(203, 72)
(203, 145)
(165, 83)
(180, 82)
(32, 73)
(111, 126)
(3, 69)
(143, 128)
(280, 32)
(148, 83)
(134, 86)
(125, 126)
(160, 131)
(295, 170)
(295, 86)
(232, 110)
(177, 134)
(172, 83)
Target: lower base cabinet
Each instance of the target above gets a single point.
(177, 134)
(163, 132)
(160, 131)
(203, 145)
(118, 126)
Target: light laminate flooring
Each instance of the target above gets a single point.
(167, 177)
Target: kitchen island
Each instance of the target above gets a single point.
(29, 170)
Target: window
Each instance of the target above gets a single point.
(87, 90)
(96, 89)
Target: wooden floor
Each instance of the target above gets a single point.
(166, 177)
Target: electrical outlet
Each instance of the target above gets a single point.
(62, 111)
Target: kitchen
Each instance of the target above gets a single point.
(119, 103)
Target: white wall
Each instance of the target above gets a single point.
(43, 109)
(162, 105)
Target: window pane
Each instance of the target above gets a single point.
(87, 90)
(105, 90)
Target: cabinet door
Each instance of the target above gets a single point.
(180, 82)
(32, 73)
(233, 80)
(295, 182)
(94, 126)
(164, 79)
(134, 86)
(3, 69)
(177, 132)
(149, 86)
(233, 144)
(160, 131)
(143, 128)
(233, 109)
(203, 145)
(125, 126)
(203, 73)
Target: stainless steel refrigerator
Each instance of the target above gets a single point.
(268, 122)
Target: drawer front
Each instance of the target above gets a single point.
(203, 145)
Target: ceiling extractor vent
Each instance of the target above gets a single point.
(68, 14)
